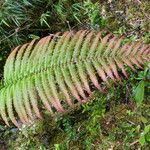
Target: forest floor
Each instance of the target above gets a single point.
(115, 121)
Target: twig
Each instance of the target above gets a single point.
(133, 143)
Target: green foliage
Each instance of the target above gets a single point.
(21, 19)
(139, 91)
(145, 135)
(93, 12)
(139, 97)
(122, 124)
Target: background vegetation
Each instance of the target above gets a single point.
(115, 121)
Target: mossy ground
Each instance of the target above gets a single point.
(113, 121)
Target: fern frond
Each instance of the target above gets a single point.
(63, 69)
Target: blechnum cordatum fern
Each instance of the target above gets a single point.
(61, 70)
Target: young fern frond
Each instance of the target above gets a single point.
(62, 69)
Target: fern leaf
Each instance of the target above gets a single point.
(26, 100)
(40, 87)
(60, 70)
(33, 97)
(9, 104)
(83, 76)
(70, 84)
(3, 106)
(18, 105)
(62, 86)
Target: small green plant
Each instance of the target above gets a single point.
(93, 12)
(145, 135)
(44, 17)
(140, 89)
(139, 97)
(93, 127)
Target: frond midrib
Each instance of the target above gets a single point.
(62, 64)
